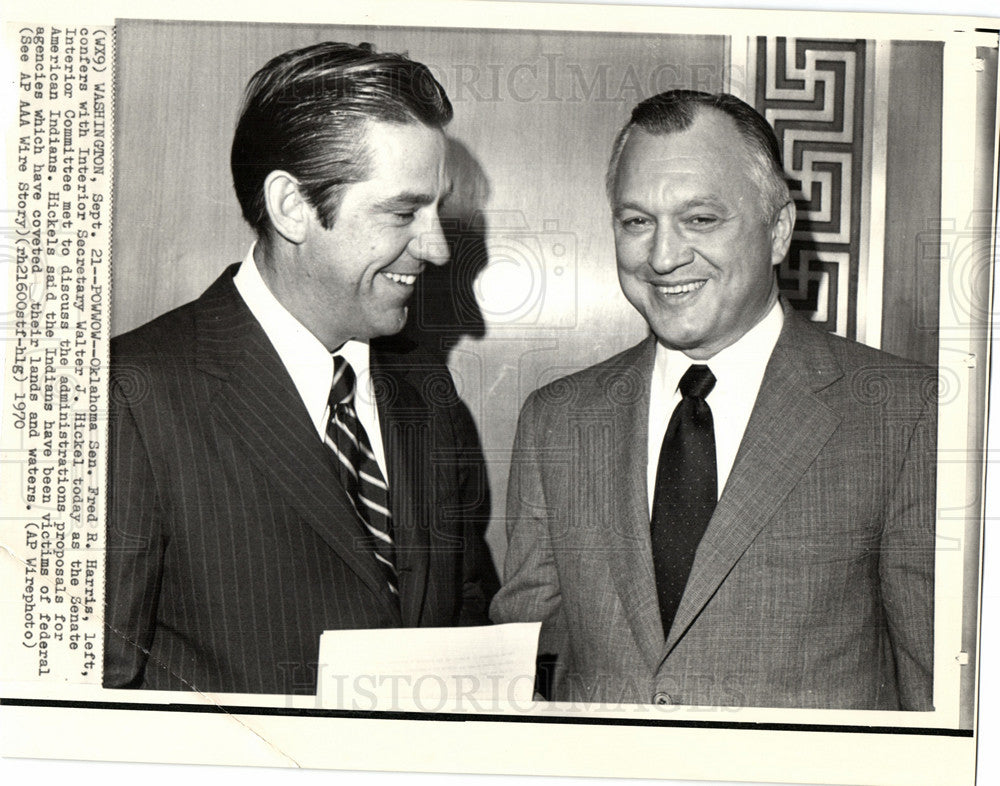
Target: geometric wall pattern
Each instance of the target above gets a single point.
(812, 92)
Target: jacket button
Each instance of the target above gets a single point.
(661, 698)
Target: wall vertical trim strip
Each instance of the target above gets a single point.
(871, 258)
(738, 72)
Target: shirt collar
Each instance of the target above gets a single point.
(308, 362)
(747, 356)
(356, 353)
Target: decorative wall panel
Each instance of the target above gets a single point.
(813, 94)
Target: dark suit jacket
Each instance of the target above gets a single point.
(231, 543)
(813, 584)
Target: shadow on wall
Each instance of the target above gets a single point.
(444, 308)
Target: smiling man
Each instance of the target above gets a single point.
(739, 510)
(276, 470)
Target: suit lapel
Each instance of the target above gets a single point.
(788, 427)
(405, 423)
(627, 518)
(259, 406)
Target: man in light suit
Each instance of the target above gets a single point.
(739, 510)
(277, 469)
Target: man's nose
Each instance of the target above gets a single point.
(670, 250)
(430, 244)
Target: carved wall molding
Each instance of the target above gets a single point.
(813, 94)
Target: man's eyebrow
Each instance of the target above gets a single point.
(412, 198)
(406, 199)
(703, 201)
(689, 204)
(619, 206)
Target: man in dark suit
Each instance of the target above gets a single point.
(276, 469)
(740, 509)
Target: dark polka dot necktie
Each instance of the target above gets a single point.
(686, 489)
(359, 471)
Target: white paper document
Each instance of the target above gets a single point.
(472, 669)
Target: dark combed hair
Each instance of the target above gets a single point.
(303, 113)
(675, 110)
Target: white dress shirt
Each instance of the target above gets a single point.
(308, 362)
(738, 370)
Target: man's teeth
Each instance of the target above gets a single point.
(680, 289)
(401, 278)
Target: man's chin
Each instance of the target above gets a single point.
(692, 344)
(391, 321)
(675, 334)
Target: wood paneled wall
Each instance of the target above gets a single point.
(532, 291)
(912, 269)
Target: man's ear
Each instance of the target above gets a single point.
(781, 232)
(288, 210)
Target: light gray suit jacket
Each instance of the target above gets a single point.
(813, 584)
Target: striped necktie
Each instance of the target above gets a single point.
(359, 471)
